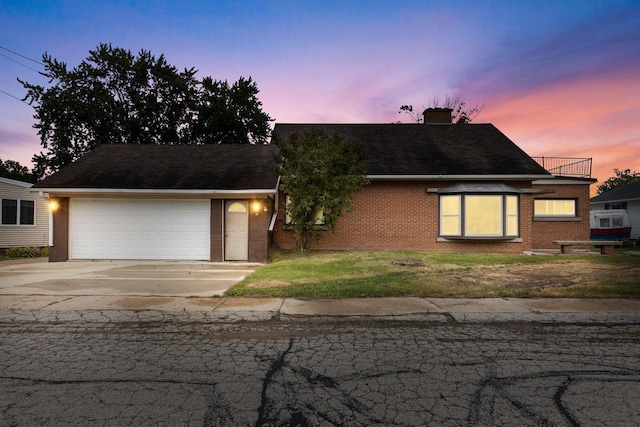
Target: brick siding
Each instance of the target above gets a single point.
(546, 231)
(402, 215)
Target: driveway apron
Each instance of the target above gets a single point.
(121, 278)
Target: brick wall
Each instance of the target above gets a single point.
(216, 233)
(60, 250)
(402, 216)
(259, 231)
(548, 230)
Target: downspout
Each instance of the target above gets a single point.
(275, 209)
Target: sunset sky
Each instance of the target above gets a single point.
(558, 78)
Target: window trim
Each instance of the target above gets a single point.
(462, 216)
(18, 211)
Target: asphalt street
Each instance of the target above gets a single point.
(124, 367)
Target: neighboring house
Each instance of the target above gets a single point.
(191, 202)
(433, 186)
(624, 197)
(25, 216)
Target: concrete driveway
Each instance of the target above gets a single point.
(120, 278)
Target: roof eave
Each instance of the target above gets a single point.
(15, 182)
(75, 192)
(513, 177)
(618, 200)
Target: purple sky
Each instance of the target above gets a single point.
(558, 78)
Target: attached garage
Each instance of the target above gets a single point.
(139, 229)
(164, 202)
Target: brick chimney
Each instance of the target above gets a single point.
(437, 116)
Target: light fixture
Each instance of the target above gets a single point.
(54, 205)
(256, 207)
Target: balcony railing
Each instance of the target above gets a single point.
(566, 166)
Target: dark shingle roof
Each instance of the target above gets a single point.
(416, 149)
(178, 167)
(626, 192)
(390, 149)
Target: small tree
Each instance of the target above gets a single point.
(622, 178)
(460, 115)
(318, 173)
(14, 170)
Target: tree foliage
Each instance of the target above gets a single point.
(114, 96)
(14, 170)
(622, 177)
(319, 173)
(460, 114)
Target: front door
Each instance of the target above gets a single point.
(236, 232)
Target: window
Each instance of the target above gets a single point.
(9, 211)
(18, 212)
(611, 222)
(622, 205)
(27, 212)
(319, 215)
(450, 214)
(554, 207)
(479, 215)
(237, 207)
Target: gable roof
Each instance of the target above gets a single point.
(471, 150)
(228, 167)
(620, 194)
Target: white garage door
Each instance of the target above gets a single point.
(139, 229)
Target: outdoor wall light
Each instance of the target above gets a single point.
(54, 205)
(256, 207)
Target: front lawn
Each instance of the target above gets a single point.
(437, 274)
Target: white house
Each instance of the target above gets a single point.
(625, 197)
(24, 216)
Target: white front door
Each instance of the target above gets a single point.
(236, 233)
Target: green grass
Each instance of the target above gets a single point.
(374, 274)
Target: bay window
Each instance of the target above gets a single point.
(479, 215)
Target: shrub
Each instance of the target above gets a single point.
(27, 252)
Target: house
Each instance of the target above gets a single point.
(178, 202)
(25, 216)
(433, 186)
(624, 197)
(437, 186)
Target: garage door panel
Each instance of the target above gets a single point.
(139, 229)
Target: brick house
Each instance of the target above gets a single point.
(433, 186)
(438, 186)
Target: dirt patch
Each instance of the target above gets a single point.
(409, 262)
(556, 275)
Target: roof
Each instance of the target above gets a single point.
(626, 192)
(229, 167)
(431, 150)
(15, 182)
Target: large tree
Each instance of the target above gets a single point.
(14, 170)
(318, 173)
(622, 177)
(460, 114)
(114, 96)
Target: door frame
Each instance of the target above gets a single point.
(226, 205)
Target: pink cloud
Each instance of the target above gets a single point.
(590, 117)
